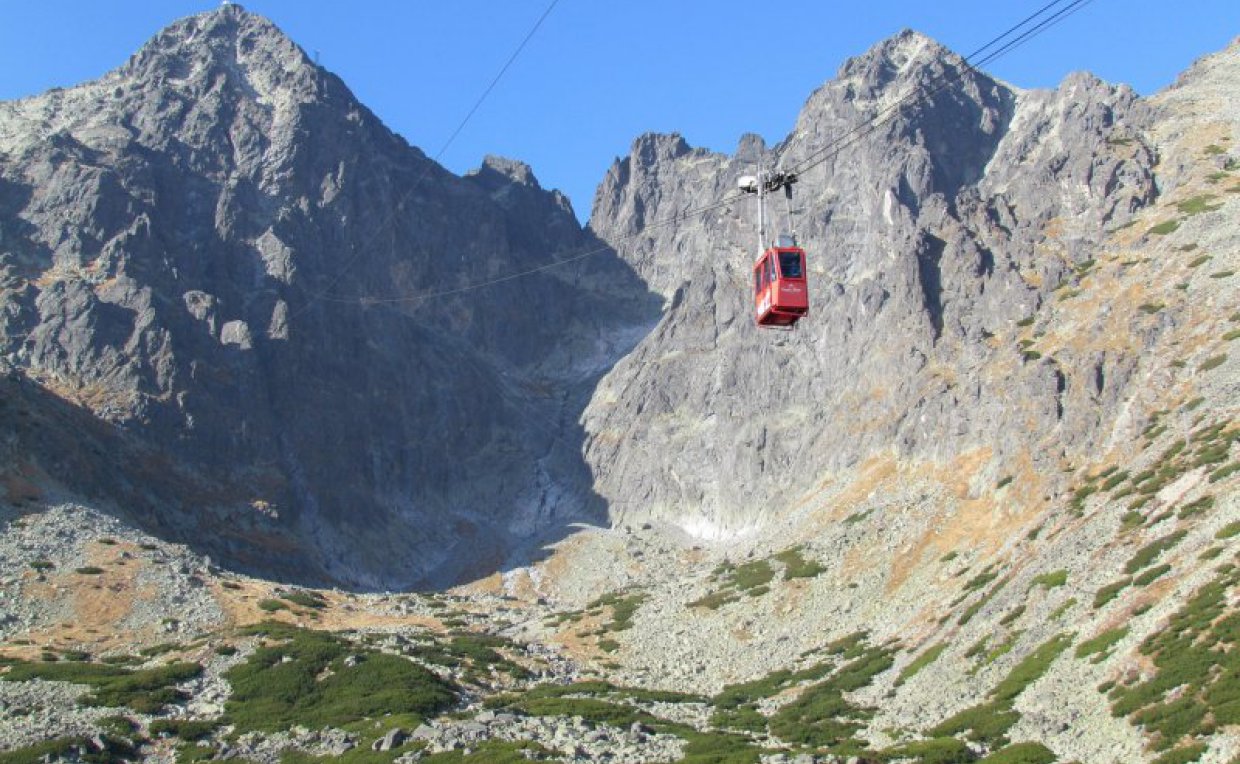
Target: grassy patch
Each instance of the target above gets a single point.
(1164, 228)
(88, 570)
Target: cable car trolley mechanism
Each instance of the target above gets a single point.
(780, 287)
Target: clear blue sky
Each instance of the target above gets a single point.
(599, 73)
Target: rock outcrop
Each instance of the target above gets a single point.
(220, 252)
(940, 208)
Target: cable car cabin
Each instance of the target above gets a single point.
(780, 290)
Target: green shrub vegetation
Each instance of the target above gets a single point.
(1199, 261)
(490, 751)
(1152, 551)
(821, 716)
(306, 598)
(796, 566)
(1022, 753)
(1114, 479)
(185, 729)
(1110, 592)
(272, 605)
(1195, 683)
(1165, 227)
(623, 607)
(1051, 580)
(981, 602)
(1198, 204)
(89, 570)
(1224, 472)
(1151, 575)
(1229, 530)
(751, 579)
(1182, 755)
(1204, 504)
(144, 690)
(1099, 645)
(1012, 617)
(1212, 362)
(1000, 650)
(920, 662)
(42, 565)
(939, 750)
(105, 749)
(317, 679)
(989, 722)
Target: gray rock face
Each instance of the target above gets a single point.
(221, 253)
(926, 196)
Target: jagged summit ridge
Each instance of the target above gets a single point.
(190, 247)
(924, 200)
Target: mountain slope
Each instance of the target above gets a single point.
(930, 236)
(219, 251)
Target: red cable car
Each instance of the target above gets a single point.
(780, 289)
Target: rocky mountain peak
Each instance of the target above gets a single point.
(506, 171)
(227, 39)
(907, 56)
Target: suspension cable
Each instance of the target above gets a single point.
(823, 154)
(323, 294)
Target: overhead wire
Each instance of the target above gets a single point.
(863, 129)
(323, 294)
(819, 156)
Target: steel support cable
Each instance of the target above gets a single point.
(323, 294)
(834, 148)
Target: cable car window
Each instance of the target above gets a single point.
(757, 279)
(790, 265)
(770, 269)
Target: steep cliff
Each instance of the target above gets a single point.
(941, 210)
(219, 251)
